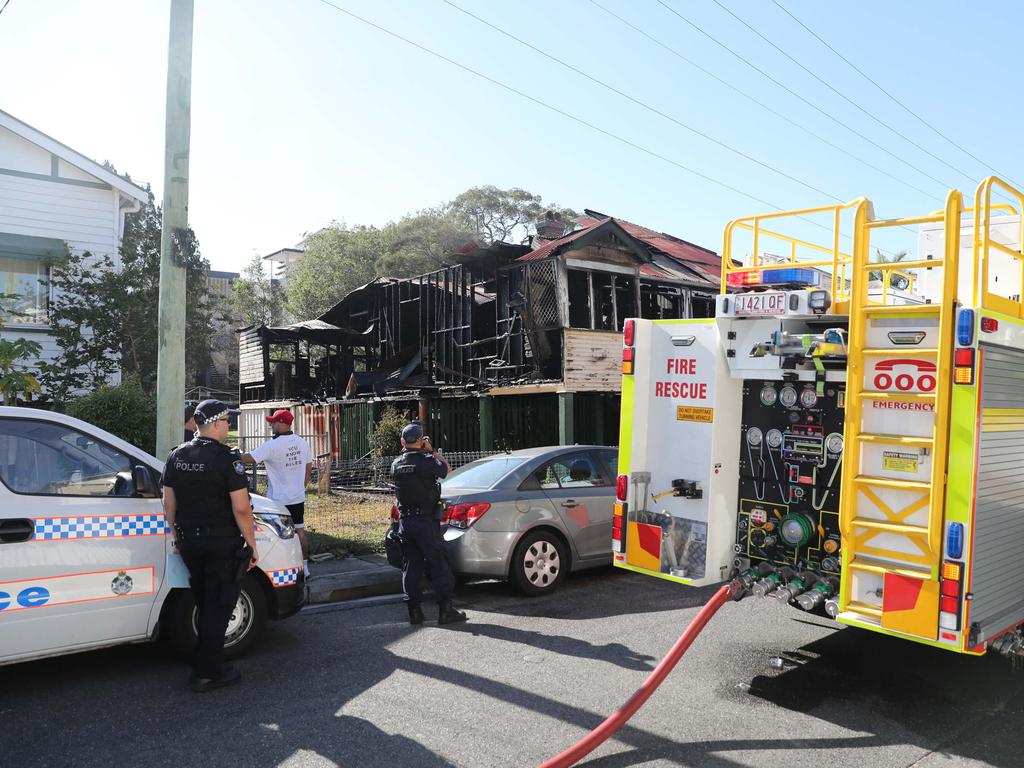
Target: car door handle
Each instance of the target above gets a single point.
(13, 531)
(569, 504)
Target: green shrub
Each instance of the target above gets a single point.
(387, 435)
(124, 410)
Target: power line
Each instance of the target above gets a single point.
(569, 115)
(5, 6)
(759, 103)
(840, 93)
(640, 103)
(902, 105)
(789, 90)
(553, 108)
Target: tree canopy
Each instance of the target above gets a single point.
(117, 326)
(340, 258)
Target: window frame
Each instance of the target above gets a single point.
(531, 483)
(43, 294)
(132, 461)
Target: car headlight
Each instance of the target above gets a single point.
(279, 524)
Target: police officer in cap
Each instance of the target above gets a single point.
(206, 500)
(416, 474)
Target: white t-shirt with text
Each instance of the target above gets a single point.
(285, 457)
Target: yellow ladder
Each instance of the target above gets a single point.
(896, 430)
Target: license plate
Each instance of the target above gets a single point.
(772, 303)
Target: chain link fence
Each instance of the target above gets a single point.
(348, 505)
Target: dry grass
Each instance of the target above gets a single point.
(347, 522)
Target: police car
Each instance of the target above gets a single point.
(85, 553)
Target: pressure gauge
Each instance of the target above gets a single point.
(788, 396)
(808, 398)
(754, 436)
(773, 438)
(769, 395)
(796, 530)
(834, 443)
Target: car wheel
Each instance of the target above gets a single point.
(245, 626)
(539, 563)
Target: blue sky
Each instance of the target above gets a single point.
(302, 115)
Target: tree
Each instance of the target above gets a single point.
(106, 318)
(15, 379)
(257, 298)
(335, 261)
(87, 332)
(125, 410)
(340, 258)
(421, 242)
(502, 214)
(896, 280)
(139, 282)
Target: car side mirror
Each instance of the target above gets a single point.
(142, 479)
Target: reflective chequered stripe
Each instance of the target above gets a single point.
(50, 528)
(284, 577)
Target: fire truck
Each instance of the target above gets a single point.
(846, 435)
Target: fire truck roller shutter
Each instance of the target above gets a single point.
(998, 596)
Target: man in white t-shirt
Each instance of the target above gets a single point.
(289, 463)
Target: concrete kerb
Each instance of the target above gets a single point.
(352, 578)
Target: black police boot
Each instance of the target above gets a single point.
(415, 614)
(229, 676)
(447, 614)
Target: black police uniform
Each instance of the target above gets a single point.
(203, 473)
(416, 475)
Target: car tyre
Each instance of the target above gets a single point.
(247, 623)
(539, 563)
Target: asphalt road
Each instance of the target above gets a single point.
(358, 687)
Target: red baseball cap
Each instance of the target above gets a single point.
(281, 415)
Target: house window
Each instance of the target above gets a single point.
(24, 290)
(600, 300)
(661, 302)
(24, 277)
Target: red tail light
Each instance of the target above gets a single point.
(618, 525)
(950, 591)
(963, 366)
(628, 359)
(394, 512)
(629, 332)
(621, 486)
(464, 515)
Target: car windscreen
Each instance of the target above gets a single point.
(480, 474)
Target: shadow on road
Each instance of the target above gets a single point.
(613, 653)
(599, 593)
(860, 680)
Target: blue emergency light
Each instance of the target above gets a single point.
(965, 327)
(955, 540)
(786, 276)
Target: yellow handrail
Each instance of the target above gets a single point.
(982, 242)
(838, 261)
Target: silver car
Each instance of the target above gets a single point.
(531, 516)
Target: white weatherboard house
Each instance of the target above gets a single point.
(51, 198)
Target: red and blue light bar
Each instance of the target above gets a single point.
(788, 276)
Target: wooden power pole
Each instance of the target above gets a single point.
(170, 369)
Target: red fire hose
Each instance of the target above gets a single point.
(596, 737)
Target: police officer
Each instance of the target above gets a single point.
(416, 474)
(206, 500)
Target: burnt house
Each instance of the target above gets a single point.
(508, 346)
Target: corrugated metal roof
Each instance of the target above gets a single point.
(552, 246)
(689, 262)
